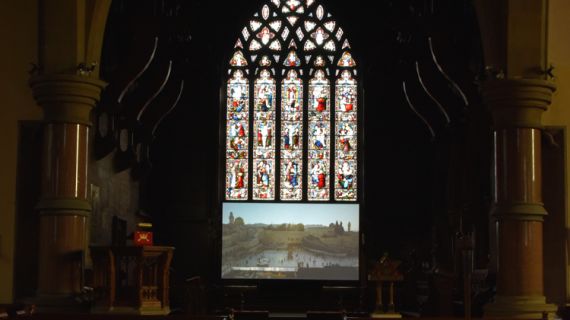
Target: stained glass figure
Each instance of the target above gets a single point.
(320, 36)
(238, 60)
(265, 35)
(292, 60)
(265, 61)
(264, 145)
(291, 137)
(319, 137)
(320, 62)
(346, 60)
(346, 138)
(237, 119)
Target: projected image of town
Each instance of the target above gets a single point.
(290, 241)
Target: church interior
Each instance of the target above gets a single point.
(115, 165)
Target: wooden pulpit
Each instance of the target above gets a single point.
(131, 279)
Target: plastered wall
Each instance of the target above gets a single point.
(19, 34)
(558, 115)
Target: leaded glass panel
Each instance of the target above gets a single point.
(264, 135)
(297, 148)
(319, 137)
(346, 137)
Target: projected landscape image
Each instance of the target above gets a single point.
(290, 241)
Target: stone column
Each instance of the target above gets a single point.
(517, 106)
(67, 101)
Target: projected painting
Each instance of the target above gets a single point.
(290, 241)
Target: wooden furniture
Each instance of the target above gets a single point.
(131, 279)
(385, 270)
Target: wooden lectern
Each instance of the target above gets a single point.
(385, 270)
(131, 279)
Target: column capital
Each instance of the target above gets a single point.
(67, 97)
(518, 103)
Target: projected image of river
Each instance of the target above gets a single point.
(299, 258)
(328, 250)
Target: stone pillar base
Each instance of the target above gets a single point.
(519, 307)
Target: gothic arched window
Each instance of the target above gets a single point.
(291, 108)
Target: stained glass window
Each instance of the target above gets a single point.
(301, 108)
(264, 126)
(237, 149)
(319, 137)
(292, 137)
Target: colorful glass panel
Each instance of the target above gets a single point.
(304, 168)
(339, 34)
(310, 25)
(265, 12)
(265, 35)
(254, 25)
(291, 137)
(346, 60)
(275, 25)
(330, 26)
(330, 46)
(254, 45)
(265, 61)
(293, 4)
(346, 138)
(285, 33)
(320, 36)
(237, 127)
(320, 12)
(320, 62)
(309, 45)
(292, 60)
(319, 137)
(275, 45)
(264, 137)
(292, 20)
(238, 60)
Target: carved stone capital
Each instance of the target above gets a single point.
(66, 97)
(518, 103)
